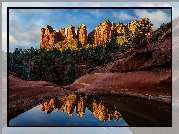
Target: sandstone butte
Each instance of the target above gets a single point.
(101, 34)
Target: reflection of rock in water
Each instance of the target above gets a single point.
(81, 105)
(70, 107)
(101, 110)
(51, 105)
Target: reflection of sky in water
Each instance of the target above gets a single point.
(65, 130)
(36, 117)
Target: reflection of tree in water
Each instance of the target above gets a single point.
(101, 110)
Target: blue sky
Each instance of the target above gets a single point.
(25, 24)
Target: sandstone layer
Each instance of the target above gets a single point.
(23, 95)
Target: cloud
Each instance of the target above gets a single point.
(157, 17)
(26, 11)
(68, 16)
(13, 40)
(32, 36)
(122, 16)
(55, 29)
(96, 13)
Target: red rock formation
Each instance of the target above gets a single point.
(82, 34)
(62, 33)
(71, 32)
(101, 33)
(48, 36)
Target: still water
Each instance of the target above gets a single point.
(82, 110)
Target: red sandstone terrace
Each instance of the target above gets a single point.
(148, 84)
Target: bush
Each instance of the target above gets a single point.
(155, 37)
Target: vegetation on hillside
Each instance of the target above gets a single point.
(64, 66)
(66, 61)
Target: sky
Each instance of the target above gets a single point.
(25, 24)
(25, 28)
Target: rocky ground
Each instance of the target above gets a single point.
(152, 85)
(23, 95)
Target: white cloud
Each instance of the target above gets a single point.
(27, 11)
(66, 31)
(39, 22)
(55, 29)
(123, 16)
(96, 13)
(157, 17)
(32, 36)
(76, 31)
(13, 40)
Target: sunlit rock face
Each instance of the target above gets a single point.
(82, 34)
(123, 33)
(71, 32)
(101, 110)
(49, 36)
(127, 32)
(101, 33)
(62, 33)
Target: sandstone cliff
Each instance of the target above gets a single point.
(82, 34)
(124, 33)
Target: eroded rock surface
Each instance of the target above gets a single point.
(23, 95)
(82, 34)
(71, 32)
(101, 34)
